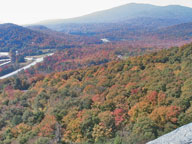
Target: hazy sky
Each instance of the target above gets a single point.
(31, 11)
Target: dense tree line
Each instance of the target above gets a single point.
(86, 56)
(127, 101)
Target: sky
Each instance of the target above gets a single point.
(32, 11)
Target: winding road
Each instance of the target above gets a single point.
(7, 62)
(38, 60)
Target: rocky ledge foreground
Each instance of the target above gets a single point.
(182, 135)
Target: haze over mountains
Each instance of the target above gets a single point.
(140, 23)
(162, 26)
(130, 13)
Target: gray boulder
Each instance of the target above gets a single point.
(182, 135)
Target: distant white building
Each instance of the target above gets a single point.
(120, 56)
(17, 53)
(4, 54)
(105, 40)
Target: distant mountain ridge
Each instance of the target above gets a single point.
(126, 13)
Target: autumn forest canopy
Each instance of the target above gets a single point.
(133, 100)
(102, 79)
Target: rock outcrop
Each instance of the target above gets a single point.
(182, 135)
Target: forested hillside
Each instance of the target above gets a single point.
(17, 37)
(153, 32)
(29, 41)
(86, 56)
(129, 101)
